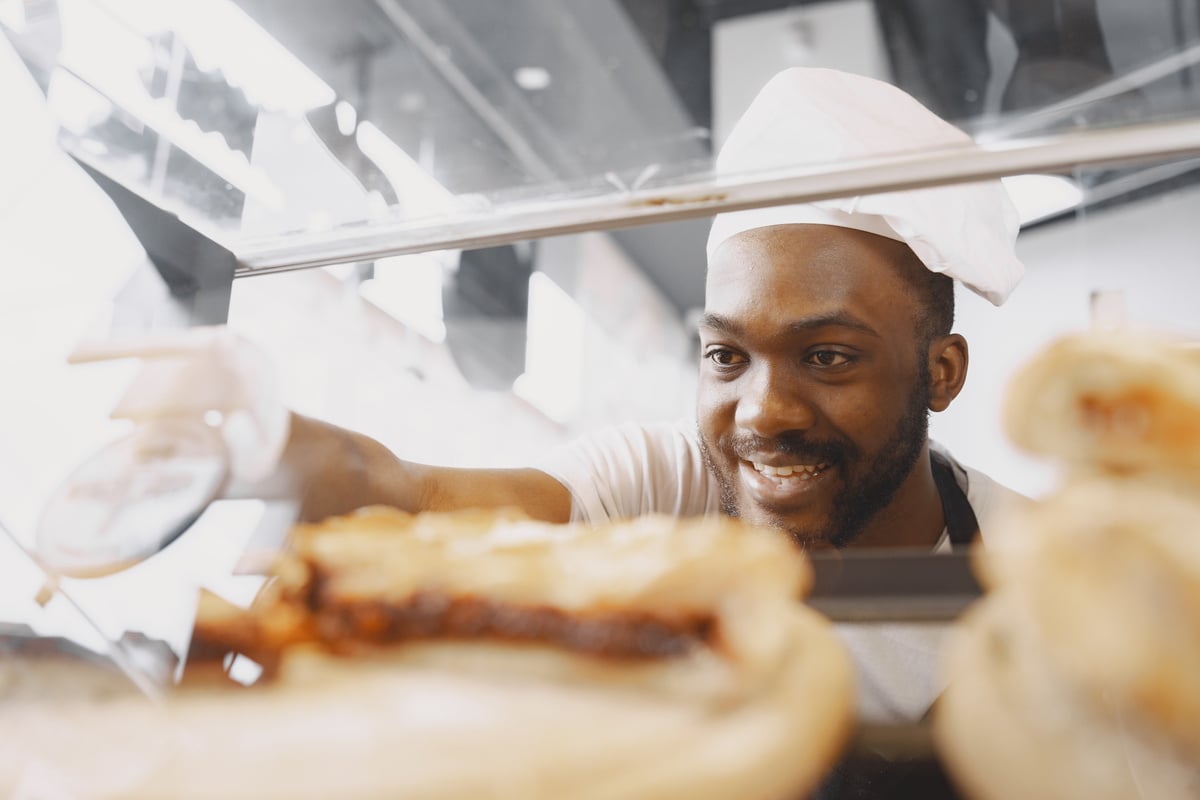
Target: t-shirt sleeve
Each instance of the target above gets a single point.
(632, 470)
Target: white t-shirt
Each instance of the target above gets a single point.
(633, 470)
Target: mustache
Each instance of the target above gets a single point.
(805, 449)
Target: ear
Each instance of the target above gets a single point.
(947, 370)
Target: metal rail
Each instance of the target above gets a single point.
(892, 586)
(518, 221)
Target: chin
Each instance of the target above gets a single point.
(801, 528)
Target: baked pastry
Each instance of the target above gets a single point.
(1119, 402)
(1078, 675)
(1011, 725)
(484, 655)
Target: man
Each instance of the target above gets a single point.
(825, 342)
(823, 350)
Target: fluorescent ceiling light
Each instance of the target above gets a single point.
(1039, 197)
(109, 55)
(207, 147)
(220, 36)
(532, 79)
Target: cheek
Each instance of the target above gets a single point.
(871, 417)
(715, 405)
(864, 414)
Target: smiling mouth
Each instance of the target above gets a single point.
(790, 475)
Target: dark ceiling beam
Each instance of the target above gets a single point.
(717, 10)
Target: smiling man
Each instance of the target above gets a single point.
(824, 349)
(825, 343)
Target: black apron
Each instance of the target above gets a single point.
(868, 779)
(959, 517)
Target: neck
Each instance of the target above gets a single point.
(913, 518)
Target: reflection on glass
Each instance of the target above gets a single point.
(259, 119)
(417, 111)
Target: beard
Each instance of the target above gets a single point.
(868, 485)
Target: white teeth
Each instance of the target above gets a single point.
(800, 471)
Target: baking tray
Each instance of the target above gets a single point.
(889, 762)
(892, 586)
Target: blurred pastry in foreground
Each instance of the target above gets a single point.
(1120, 402)
(484, 655)
(1078, 675)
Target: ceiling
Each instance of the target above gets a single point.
(629, 83)
(528, 99)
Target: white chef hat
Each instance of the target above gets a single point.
(815, 116)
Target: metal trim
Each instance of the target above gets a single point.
(892, 585)
(532, 220)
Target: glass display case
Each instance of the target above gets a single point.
(425, 126)
(492, 217)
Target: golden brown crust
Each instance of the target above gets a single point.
(507, 713)
(1076, 676)
(402, 726)
(1115, 402)
(652, 562)
(1112, 572)
(1010, 725)
(654, 588)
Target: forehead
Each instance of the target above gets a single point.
(792, 271)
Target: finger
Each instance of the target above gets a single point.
(162, 344)
(172, 387)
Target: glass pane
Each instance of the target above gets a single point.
(508, 352)
(259, 120)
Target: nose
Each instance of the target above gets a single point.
(773, 403)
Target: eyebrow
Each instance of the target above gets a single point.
(838, 319)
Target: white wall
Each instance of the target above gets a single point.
(1149, 251)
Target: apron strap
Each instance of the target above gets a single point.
(956, 509)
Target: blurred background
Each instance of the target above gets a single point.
(238, 138)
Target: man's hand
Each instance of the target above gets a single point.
(205, 373)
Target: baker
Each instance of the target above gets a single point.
(825, 342)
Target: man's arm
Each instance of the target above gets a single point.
(330, 470)
(335, 471)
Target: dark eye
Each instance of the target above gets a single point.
(724, 358)
(829, 358)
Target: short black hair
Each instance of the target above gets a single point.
(934, 295)
(936, 299)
